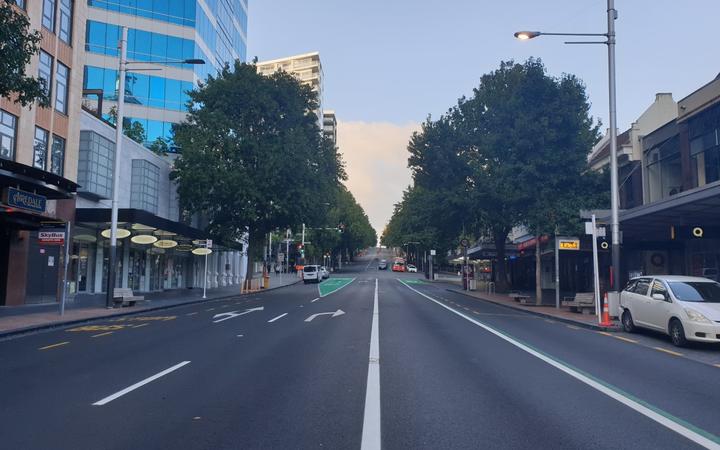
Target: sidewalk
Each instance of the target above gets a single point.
(23, 319)
(550, 312)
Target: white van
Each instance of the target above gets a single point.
(312, 273)
(686, 308)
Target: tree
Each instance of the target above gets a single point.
(17, 45)
(528, 136)
(160, 146)
(252, 156)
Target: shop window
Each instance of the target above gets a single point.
(40, 147)
(8, 135)
(57, 158)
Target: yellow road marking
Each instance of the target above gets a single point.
(191, 314)
(98, 328)
(626, 339)
(102, 334)
(669, 352)
(604, 333)
(53, 345)
(573, 327)
(141, 325)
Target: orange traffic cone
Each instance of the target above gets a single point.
(605, 313)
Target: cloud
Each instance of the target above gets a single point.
(376, 155)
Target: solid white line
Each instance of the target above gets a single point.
(656, 414)
(118, 394)
(371, 422)
(278, 317)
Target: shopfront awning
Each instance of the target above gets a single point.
(698, 208)
(102, 215)
(38, 181)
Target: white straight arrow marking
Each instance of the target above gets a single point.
(339, 312)
(232, 314)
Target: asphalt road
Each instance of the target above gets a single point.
(445, 371)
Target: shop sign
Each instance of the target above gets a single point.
(51, 237)
(26, 200)
(569, 244)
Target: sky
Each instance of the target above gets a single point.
(388, 64)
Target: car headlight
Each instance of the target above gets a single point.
(696, 316)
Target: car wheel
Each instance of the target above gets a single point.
(627, 322)
(677, 333)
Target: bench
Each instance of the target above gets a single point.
(521, 298)
(583, 302)
(125, 297)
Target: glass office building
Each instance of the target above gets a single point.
(161, 31)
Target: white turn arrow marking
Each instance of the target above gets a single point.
(232, 314)
(339, 312)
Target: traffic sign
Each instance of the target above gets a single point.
(209, 243)
(432, 252)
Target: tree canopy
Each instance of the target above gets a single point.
(253, 159)
(514, 153)
(17, 45)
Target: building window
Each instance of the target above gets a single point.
(40, 147)
(664, 170)
(65, 32)
(45, 71)
(61, 87)
(20, 3)
(704, 135)
(144, 185)
(95, 164)
(57, 159)
(48, 14)
(8, 133)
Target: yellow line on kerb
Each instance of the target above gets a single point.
(669, 352)
(53, 345)
(102, 334)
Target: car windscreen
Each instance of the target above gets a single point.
(696, 291)
(309, 269)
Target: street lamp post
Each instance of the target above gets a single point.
(614, 198)
(122, 68)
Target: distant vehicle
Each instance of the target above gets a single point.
(411, 268)
(686, 308)
(312, 273)
(382, 265)
(398, 265)
(325, 272)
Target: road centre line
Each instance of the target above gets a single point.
(48, 347)
(371, 436)
(683, 428)
(102, 334)
(277, 318)
(141, 383)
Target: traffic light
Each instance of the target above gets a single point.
(603, 243)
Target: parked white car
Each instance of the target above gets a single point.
(686, 308)
(411, 268)
(325, 273)
(312, 273)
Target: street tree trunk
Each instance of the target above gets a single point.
(256, 243)
(538, 272)
(501, 284)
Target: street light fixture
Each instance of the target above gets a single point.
(610, 42)
(122, 67)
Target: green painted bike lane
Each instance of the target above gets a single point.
(331, 285)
